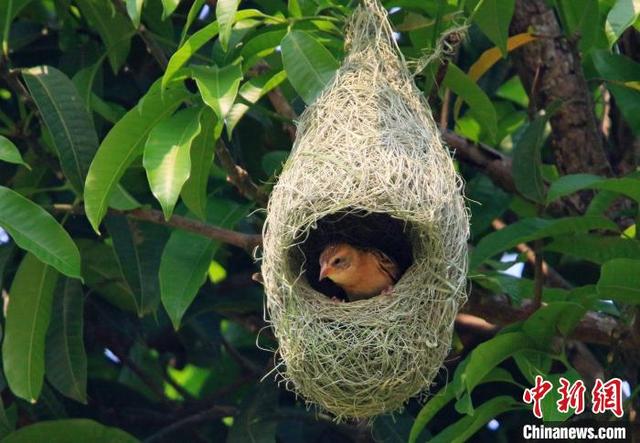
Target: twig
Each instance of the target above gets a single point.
(152, 47)
(217, 411)
(538, 275)
(553, 277)
(238, 176)
(248, 242)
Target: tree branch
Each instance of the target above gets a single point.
(238, 177)
(553, 64)
(594, 328)
(248, 242)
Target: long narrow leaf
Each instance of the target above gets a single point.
(36, 231)
(66, 360)
(28, 317)
(123, 144)
(69, 123)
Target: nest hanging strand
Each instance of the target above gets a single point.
(368, 144)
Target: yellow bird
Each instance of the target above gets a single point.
(361, 273)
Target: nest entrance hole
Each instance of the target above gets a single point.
(362, 229)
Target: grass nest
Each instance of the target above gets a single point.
(367, 166)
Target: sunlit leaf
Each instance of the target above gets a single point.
(623, 14)
(134, 9)
(225, 14)
(169, 6)
(167, 156)
(123, 144)
(194, 191)
(218, 86)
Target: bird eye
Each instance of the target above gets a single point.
(337, 261)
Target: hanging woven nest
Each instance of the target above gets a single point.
(367, 155)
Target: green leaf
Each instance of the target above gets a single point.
(447, 394)
(187, 256)
(554, 317)
(530, 229)
(65, 357)
(138, 246)
(167, 156)
(532, 363)
(595, 248)
(549, 403)
(568, 184)
(69, 431)
(581, 17)
(621, 74)
(123, 144)
(134, 9)
(9, 9)
(36, 231)
(493, 18)
(102, 274)
(527, 161)
(26, 326)
(122, 200)
(66, 118)
(225, 14)
(10, 154)
(115, 29)
(310, 67)
(620, 280)
(623, 15)
(197, 41)
(194, 191)
(464, 428)
(218, 86)
(186, 51)
(273, 161)
(195, 9)
(168, 7)
(261, 46)
(250, 92)
(486, 357)
(480, 106)
(249, 425)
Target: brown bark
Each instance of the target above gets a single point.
(552, 63)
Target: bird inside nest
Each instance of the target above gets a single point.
(361, 273)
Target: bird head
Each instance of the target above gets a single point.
(336, 261)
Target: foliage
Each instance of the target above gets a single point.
(126, 323)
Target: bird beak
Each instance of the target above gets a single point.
(324, 271)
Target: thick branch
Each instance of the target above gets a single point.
(594, 328)
(553, 64)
